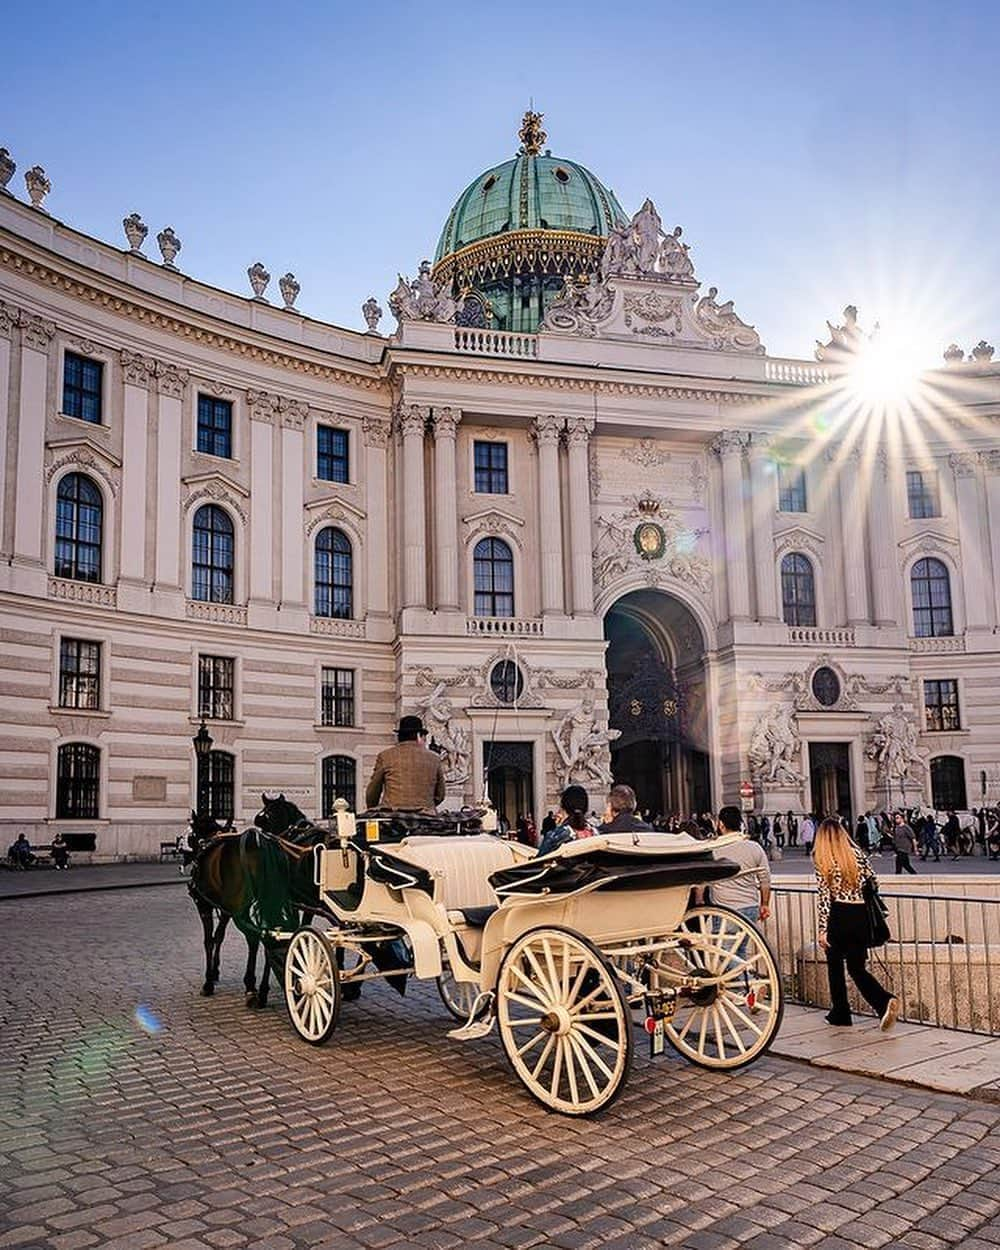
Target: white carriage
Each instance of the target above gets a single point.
(565, 954)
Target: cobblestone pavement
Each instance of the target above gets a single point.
(223, 1130)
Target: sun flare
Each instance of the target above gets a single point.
(886, 370)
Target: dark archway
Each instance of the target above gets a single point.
(657, 699)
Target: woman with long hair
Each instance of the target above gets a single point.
(842, 869)
(571, 820)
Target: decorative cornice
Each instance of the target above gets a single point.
(138, 370)
(991, 461)
(36, 332)
(172, 324)
(964, 463)
(90, 459)
(8, 319)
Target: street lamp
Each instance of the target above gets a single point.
(203, 743)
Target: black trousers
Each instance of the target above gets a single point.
(903, 863)
(847, 933)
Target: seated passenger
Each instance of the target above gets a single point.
(59, 851)
(619, 814)
(571, 820)
(20, 855)
(408, 777)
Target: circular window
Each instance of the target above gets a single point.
(826, 686)
(507, 681)
(560, 174)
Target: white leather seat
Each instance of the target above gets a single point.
(461, 867)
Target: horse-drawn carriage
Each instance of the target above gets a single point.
(564, 953)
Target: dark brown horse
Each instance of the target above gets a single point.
(261, 879)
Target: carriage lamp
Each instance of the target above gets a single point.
(203, 743)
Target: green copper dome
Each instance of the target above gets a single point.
(519, 230)
(529, 193)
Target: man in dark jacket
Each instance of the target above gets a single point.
(619, 815)
(408, 777)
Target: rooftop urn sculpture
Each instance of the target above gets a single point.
(38, 187)
(289, 289)
(135, 231)
(259, 278)
(7, 168)
(372, 312)
(982, 353)
(169, 245)
(953, 354)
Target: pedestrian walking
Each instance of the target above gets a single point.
(750, 892)
(904, 843)
(842, 869)
(808, 833)
(792, 825)
(778, 829)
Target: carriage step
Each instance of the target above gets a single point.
(474, 1031)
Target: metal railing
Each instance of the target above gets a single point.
(943, 962)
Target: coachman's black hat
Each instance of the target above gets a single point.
(411, 726)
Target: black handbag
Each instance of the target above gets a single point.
(877, 914)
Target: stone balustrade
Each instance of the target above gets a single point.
(496, 343)
(508, 626)
(82, 592)
(217, 613)
(813, 635)
(795, 373)
(336, 627)
(938, 646)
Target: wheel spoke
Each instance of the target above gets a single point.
(530, 1004)
(525, 1022)
(738, 1011)
(585, 1047)
(550, 965)
(702, 1031)
(730, 1027)
(581, 1058)
(523, 1050)
(720, 1045)
(529, 985)
(556, 1067)
(542, 979)
(570, 1059)
(546, 1051)
(598, 1037)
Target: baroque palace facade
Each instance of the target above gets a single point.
(569, 510)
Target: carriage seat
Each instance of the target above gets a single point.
(461, 868)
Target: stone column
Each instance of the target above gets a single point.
(445, 509)
(376, 434)
(8, 320)
(29, 509)
(852, 527)
(547, 431)
(763, 497)
(882, 544)
(991, 466)
(411, 421)
(293, 418)
(263, 410)
(965, 465)
(728, 446)
(137, 372)
(170, 384)
(578, 432)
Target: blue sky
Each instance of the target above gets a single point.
(815, 154)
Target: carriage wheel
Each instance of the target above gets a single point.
(734, 1019)
(564, 1022)
(457, 996)
(312, 986)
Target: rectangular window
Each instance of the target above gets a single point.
(331, 454)
(491, 468)
(79, 674)
(337, 696)
(791, 488)
(922, 494)
(83, 380)
(215, 426)
(215, 687)
(941, 705)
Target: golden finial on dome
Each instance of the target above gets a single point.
(531, 134)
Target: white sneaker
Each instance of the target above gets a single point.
(889, 1015)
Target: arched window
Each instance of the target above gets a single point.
(79, 527)
(948, 784)
(334, 574)
(339, 782)
(798, 590)
(78, 782)
(218, 799)
(930, 587)
(493, 574)
(213, 555)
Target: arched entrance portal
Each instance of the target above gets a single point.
(657, 699)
